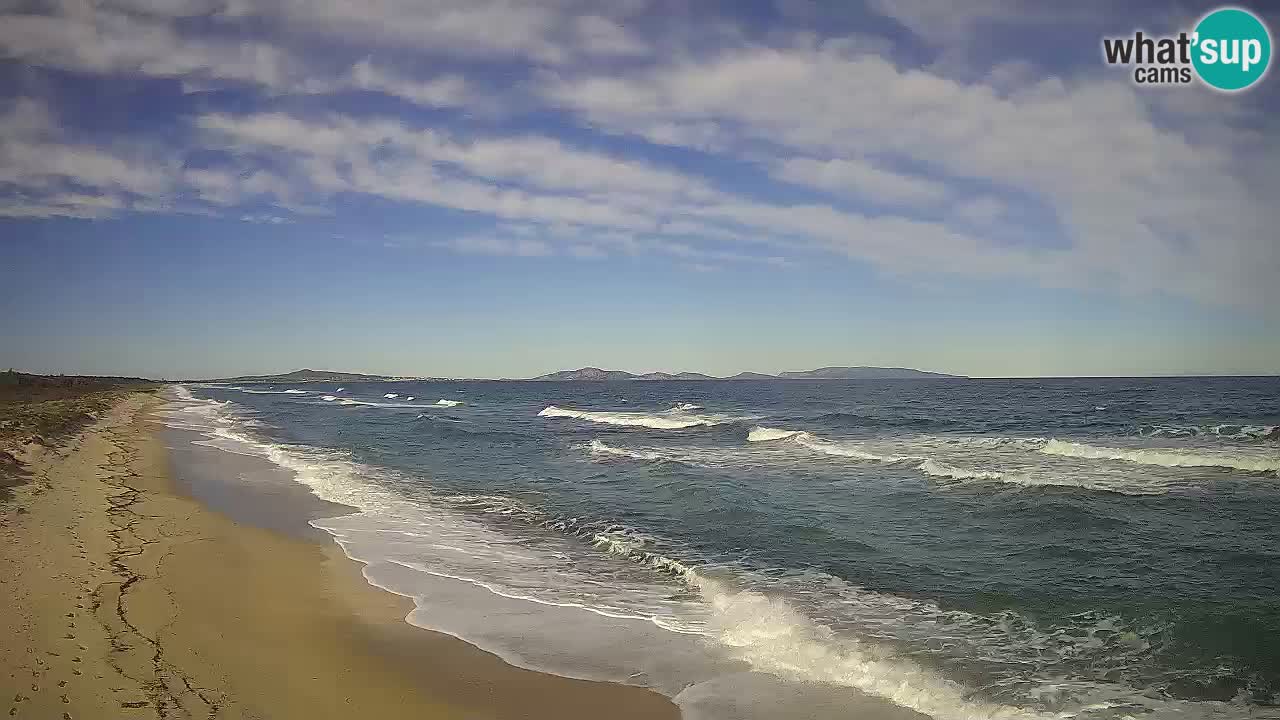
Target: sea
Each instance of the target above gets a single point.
(952, 548)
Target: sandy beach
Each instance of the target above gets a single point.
(125, 597)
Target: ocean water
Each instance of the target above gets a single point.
(1101, 548)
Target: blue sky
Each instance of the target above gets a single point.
(492, 188)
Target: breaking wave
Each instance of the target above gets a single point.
(599, 447)
(940, 469)
(812, 629)
(669, 420)
(1226, 431)
(926, 465)
(764, 434)
(448, 403)
(1166, 457)
(365, 403)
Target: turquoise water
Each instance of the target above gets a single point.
(962, 548)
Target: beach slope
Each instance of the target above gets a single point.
(124, 598)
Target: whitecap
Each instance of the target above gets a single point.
(1166, 457)
(764, 434)
(670, 420)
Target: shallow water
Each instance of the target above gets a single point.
(965, 549)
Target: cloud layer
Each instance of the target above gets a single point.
(690, 135)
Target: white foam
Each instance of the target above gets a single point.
(940, 469)
(772, 636)
(817, 444)
(366, 403)
(764, 434)
(846, 449)
(1237, 459)
(772, 633)
(599, 447)
(855, 451)
(670, 420)
(391, 396)
(409, 398)
(448, 403)
(1224, 431)
(329, 398)
(295, 392)
(686, 407)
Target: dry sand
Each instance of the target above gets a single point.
(122, 598)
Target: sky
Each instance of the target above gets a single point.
(501, 188)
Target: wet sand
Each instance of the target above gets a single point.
(125, 597)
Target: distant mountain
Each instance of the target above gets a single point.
(673, 376)
(307, 376)
(655, 376)
(589, 374)
(592, 374)
(694, 376)
(862, 373)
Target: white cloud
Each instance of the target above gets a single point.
(861, 179)
(548, 33)
(538, 162)
(587, 252)
(1140, 191)
(443, 91)
(1089, 150)
(265, 219)
(517, 247)
(110, 39)
(58, 175)
(982, 210)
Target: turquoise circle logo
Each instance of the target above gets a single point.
(1232, 49)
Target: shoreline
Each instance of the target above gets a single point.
(129, 598)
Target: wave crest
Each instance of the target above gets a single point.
(669, 420)
(765, 434)
(1165, 457)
